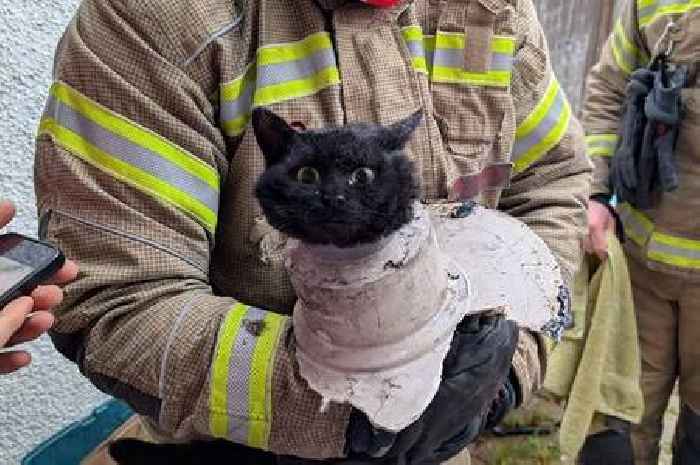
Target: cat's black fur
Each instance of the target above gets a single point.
(331, 211)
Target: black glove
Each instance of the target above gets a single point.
(474, 372)
(506, 400)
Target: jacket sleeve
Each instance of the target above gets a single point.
(551, 173)
(129, 163)
(623, 52)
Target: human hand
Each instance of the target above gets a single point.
(27, 318)
(600, 222)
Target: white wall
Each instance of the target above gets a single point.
(37, 401)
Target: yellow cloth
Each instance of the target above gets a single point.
(597, 367)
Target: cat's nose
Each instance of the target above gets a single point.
(335, 200)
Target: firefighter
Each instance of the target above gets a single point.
(145, 167)
(641, 120)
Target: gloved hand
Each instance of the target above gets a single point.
(473, 394)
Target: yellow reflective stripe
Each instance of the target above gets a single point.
(262, 368)
(675, 260)
(600, 152)
(419, 64)
(637, 226)
(297, 88)
(594, 138)
(660, 247)
(271, 54)
(620, 59)
(136, 134)
(236, 100)
(240, 401)
(429, 43)
(453, 75)
(452, 70)
(676, 251)
(628, 45)
(233, 90)
(127, 173)
(449, 40)
(543, 129)
(533, 120)
(218, 396)
(626, 54)
(601, 145)
(281, 72)
(652, 11)
(503, 45)
(235, 127)
(455, 40)
(412, 33)
(672, 250)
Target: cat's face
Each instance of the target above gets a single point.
(343, 186)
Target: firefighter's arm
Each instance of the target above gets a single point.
(550, 182)
(624, 51)
(129, 164)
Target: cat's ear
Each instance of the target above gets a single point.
(396, 136)
(273, 135)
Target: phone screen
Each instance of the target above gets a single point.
(11, 273)
(19, 258)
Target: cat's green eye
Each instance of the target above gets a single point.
(308, 175)
(361, 177)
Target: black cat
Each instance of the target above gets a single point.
(342, 186)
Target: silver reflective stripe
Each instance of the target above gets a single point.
(501, 62)
(132, 154)
(238, 381)
(241, 106)
(548, 123)
(277, 73)
(666, 249)
(454, 58)
(416, 48)
(633, 227)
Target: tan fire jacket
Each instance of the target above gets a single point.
(667, 236)
(145, 170)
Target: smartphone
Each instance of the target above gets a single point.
(24, 264)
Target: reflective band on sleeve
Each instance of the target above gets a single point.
(637, 226)
(676, 251)
(240, 401)
(660, 247)
(648, 11)
(413, 36)
(601, 145)
(281, 72)
(132, 154)
(624, 52)
(543, 129)
(236, 102)
(442, 58)
(448, 61)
